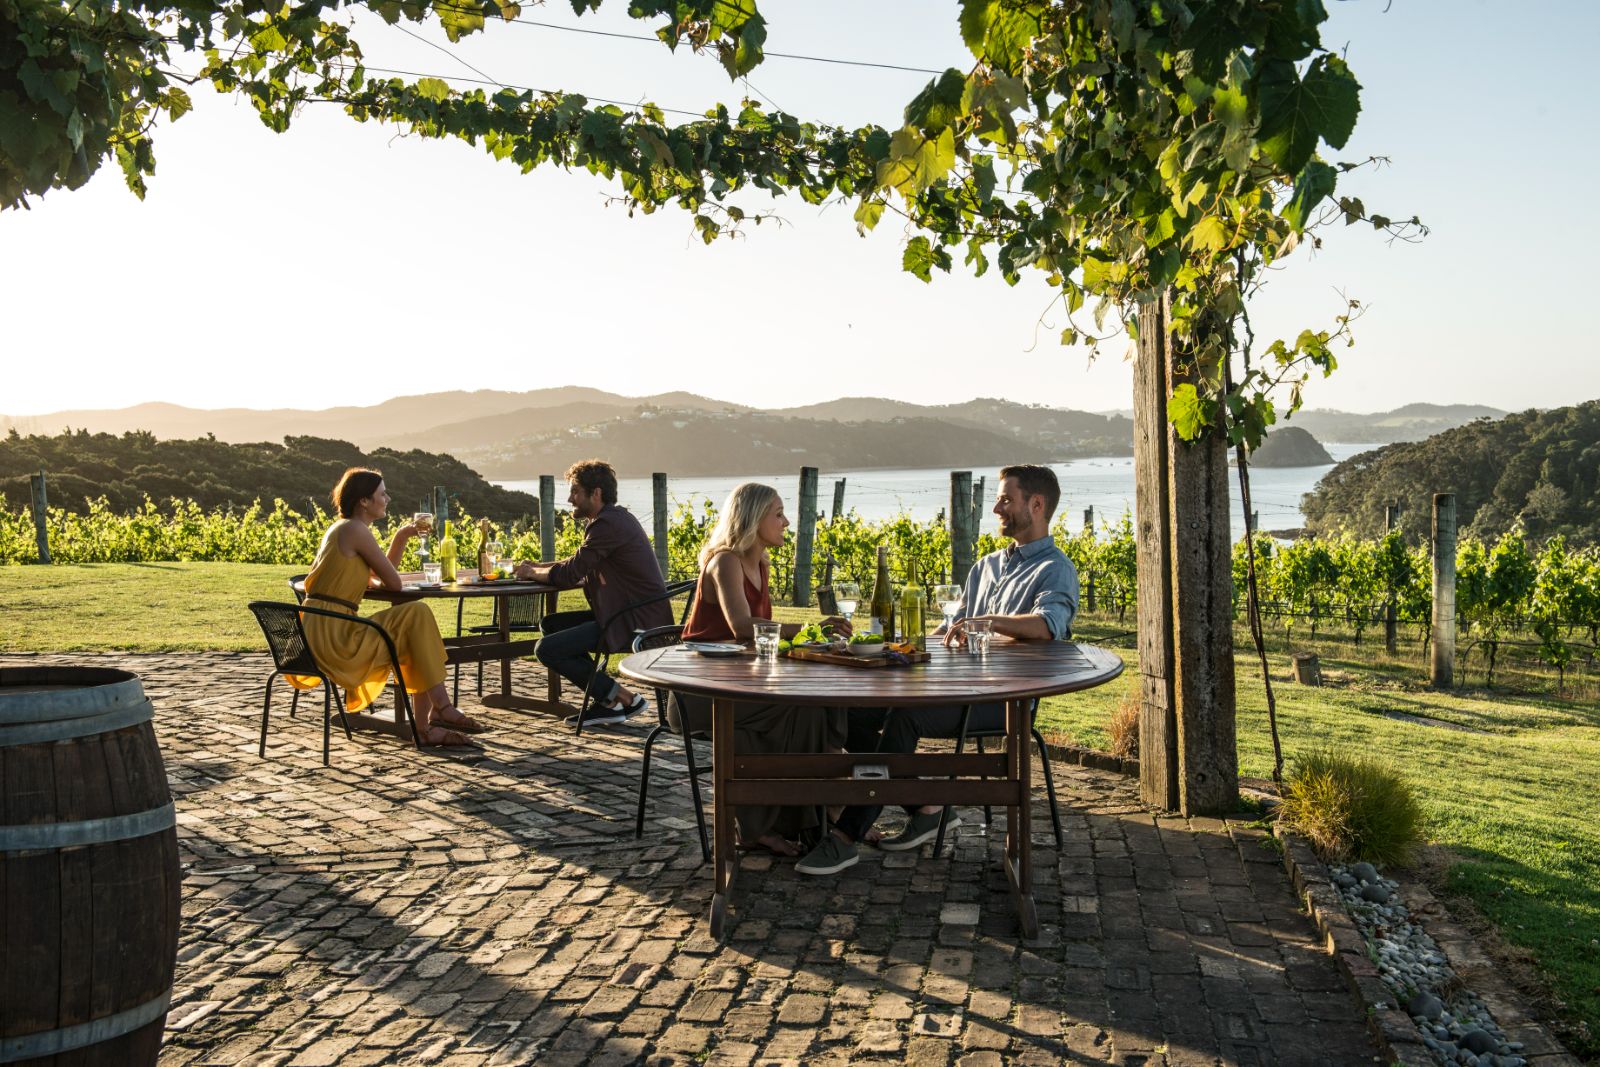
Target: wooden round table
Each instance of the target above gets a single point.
(1013, 673)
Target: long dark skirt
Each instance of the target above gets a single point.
(766, 729)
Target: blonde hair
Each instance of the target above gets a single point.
(735, 531)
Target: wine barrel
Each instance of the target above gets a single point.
(88, 870)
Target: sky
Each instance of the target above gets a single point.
(341, 263)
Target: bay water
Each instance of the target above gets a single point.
(1103, 483)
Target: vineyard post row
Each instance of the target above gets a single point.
(41, 516)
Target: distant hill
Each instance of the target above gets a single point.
(125, 468)
(1542, 467)
(370, 426)
(1411, 422)
(1290, 446)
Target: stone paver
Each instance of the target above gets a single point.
(494, 908)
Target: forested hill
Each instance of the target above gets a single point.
(1540, 466)
(125, 468)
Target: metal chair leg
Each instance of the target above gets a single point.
(1049, 785)
(294, 703)
(266, 707)
(338, 702)
(327, 720)
(644, 781)
(699, 805)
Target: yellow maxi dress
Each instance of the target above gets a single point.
(354, 656)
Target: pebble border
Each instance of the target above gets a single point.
(1388, 1021)
(1393, 1028)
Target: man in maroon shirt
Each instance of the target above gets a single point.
(616, 568)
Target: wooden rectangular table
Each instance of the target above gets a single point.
(1012, 672)
(476, 648)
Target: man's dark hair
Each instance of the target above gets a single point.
(592, 474)
(1035, 480)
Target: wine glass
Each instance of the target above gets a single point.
(424, 524)
(848, 596)
(492, 551)
(949, 598)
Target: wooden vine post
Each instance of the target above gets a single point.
(1391, 622)
(805, 537)
(961, 534)
(658, 511)
(1188, 758)
(547, 517)
(41, 517)
(1442, 661)
(838, 500)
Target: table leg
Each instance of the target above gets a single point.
(1019, 818)
(724, 852)
(552, 679)
(502, 610)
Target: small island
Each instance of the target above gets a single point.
(1290, 446)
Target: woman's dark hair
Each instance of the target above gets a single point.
(355, 485)
(592, 474)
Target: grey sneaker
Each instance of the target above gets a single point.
(921, 828)
(829, 857)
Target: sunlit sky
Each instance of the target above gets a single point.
(342, 264)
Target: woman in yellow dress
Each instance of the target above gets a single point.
(348, 563)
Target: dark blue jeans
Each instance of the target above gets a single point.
(567, 648)
(899, 730)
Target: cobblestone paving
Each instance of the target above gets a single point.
(494, 908)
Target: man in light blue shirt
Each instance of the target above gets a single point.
(1027, 591)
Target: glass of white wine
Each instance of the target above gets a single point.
(848, 596)
(949, 600)
(424, 523)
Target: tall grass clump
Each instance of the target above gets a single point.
(1122, 726)
(1351, 807)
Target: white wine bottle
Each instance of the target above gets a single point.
(883, 598)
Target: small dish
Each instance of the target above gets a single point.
(714, 648)
(877, 648)
(430, 585)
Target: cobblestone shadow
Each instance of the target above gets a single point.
(493, 908)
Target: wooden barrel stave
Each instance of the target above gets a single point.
(108, 910)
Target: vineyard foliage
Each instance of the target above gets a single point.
(1512, 585)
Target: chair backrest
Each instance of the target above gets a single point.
(522, 610)
(295, 588)
(657, 637)
(285, 638)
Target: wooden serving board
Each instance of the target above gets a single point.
(845, 659)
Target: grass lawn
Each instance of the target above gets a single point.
(1511, 789)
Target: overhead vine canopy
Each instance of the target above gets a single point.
(1125, 148)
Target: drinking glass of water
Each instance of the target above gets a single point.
(948, 597)
(848, 596)
(432, 572)
(978, 633)
(766, 640)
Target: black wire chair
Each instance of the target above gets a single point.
(661, 637)
(524, 617)
(966, 732)
(603, 652)
(291, 654)
(294, 704)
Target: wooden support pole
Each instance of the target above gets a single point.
(1441, 671)
(1188, 756)
(1088, 594)
(547, 517)
(1255, 522)
(961, 535)
(41, 517)
(977, 505)
(658, 511)
(805, 537)
(441, 509)
(1088, 518)
(1391, 621)
(838, 500)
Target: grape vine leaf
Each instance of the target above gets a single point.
(1296, 112)
(921, 257)
(1313, 185)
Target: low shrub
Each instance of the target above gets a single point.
(1351, 807)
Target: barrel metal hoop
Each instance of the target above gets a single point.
(98, 699)
(88, 831)
(67, 1038)
(34, 733)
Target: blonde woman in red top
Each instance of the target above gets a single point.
(734, 592)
